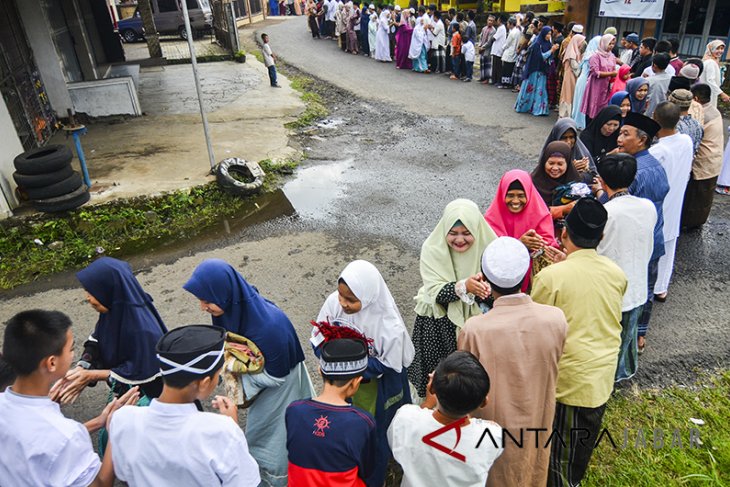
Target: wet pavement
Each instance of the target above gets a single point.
(373, 185)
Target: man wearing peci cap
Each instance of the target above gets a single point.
(330, 441)
(171, 442)
(651, 183)
(687, 124)
(519, 343)
(589, 289)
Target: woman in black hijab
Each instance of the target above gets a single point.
(601, 135)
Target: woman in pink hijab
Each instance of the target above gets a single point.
(602, 67)
(518, 211)
(571, 69)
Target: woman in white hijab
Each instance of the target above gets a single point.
(382, 41)
(372, 32)
(418, 50)
(363, 302)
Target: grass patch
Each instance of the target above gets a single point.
(120, 228)
(315, 110)
(666, 410)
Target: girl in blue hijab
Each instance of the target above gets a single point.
(238, 307)
(621, 99)
(533, 97)
(121, 350)
(638, 89)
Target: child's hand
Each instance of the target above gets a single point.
(225, 406)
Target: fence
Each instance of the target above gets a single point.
(224, 24)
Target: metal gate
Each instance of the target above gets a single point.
(240, 7)
(20, 82)
(224, 24)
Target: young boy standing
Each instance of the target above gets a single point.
(438, 443)
(456, 52)
(269, 60)
(469, 55)
(330, 441)
(41, 447)
(171, 442)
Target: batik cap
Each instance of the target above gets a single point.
(191, 351)
(587, 219)
(505, 262)
(642, 122)
(343, 358)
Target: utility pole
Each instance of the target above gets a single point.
(150, 31)
(194, 63)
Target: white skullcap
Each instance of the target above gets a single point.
(578, 29)
(397, 8)
(372, 6)
(505, 262)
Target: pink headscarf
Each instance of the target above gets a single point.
(534, 216)
(603, 45)
(619, 83)
(710, 51)
(573, 49)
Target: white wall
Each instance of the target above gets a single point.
(10, 147)
(38, 34)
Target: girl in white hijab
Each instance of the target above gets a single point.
(418, 50)
(363, 302)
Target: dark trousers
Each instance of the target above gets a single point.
(437, 60)
(329, 28)
(272, 75)
(653, 271)
(469, 69)
(569, 461)
(496, 70)
(448, 63)
(456, 66)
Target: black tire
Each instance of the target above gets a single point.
(26, 181)
(63, 203)
(232, 185)
(129, 35)
(43, 160)
(68, 185)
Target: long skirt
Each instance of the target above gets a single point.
(666, 267)
(552, 83)
(433, 340)
(698, 202)
(372, 41)
(485, 67)
(420, 64)
(402, 46)
(533, 97)
(567, 91)
(580, 89)
(724, 178)
(382, 45)
(519, 67)
(265, 426)
(628, 356)
(382, 397)
(352, 41)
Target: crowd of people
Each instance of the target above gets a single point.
(528, 315)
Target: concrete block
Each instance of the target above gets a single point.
(105, 97)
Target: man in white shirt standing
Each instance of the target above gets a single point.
(437, 33)
(500, 39)
(509, 55)
(675, 153)
(628, 240)
(171, 442)
(330, 7)
(269, 60)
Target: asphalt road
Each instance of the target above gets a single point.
(377, 175)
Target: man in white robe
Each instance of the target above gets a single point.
(675, 152)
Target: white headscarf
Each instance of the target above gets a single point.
(417, 39)
(379, 319)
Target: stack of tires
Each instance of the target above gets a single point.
(45, 177)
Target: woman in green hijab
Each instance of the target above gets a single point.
(452, 286)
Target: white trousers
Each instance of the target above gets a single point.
(666, 267)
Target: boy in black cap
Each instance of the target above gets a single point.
(589, 288)
(330, 441)
(171, 442)
(651, 182)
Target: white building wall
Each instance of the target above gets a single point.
(39, 38)
(11, 147)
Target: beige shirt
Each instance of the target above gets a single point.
(519, 343)
(589, 288)
(708, 160)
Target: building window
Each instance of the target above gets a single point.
(696, 17)
(192, 4)
(720, 22)
(167, 5)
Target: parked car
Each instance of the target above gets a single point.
(168, 17)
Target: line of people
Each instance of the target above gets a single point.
(566, 255)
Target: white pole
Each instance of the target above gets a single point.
(191, 47)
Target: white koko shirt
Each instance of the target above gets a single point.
(41, 447)
(177, 445)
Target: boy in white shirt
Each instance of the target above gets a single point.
(467, 49)
(438, 443)
(269, 60)
(41, 447)
(171, 442)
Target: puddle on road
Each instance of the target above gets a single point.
(330, 123)
(316, 188)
